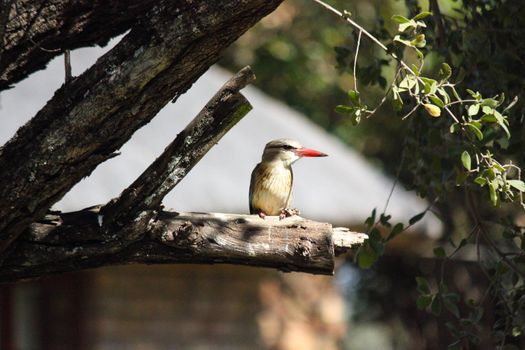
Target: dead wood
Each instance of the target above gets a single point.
(74, 241)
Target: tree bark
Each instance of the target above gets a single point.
(74, 241)
(220, 114)
(36, 31)
(92, 116)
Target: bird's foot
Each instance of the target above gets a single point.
(287, 212)
(262, 215)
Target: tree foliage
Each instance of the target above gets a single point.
(451, 78)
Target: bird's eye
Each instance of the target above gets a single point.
(288, 147)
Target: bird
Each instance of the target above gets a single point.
(272, 179)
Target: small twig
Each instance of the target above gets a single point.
(411, 111)
(385, 96)
(355, 58)
(67, 65)
(42, 48)
(398, 175)
(449, 257)
(460, 101)
(452, 114)
(369, 35)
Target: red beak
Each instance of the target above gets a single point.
(308, 152)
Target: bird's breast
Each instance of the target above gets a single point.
(272, 189)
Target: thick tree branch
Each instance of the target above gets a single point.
(219, 115)
(39, 30)
(96, 113)
(74, 241)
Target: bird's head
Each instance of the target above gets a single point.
(287, 151)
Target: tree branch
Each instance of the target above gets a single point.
(74, 241)
(37, 31)
(92, 116)
(219, 115)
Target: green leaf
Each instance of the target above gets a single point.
(505, 128)
(455, 93)
(422, 285)
(480, 181)
(404, 26)
(419, 41)
(366, 257)
(354, 97)
(383, 219)
(489, 102)
(423, 301)
(487, 109)
(466, 160)
(517, 184)
(430, 85)
(498, 166)
(415, 69)
(445, 72)
(437, 101)
(356, 117)
(493, 194)
(422, 15)
(343, 109)
(473, 110)
(378, 247)
(400, 19)
(416, 218)
(475, 95)
(514, 101)
(476, 131)
(419, 54)
(439, 252)
(408, 82)
(397, 102)
(501, 99)
(489, 118)
(397, 229)
(371, 219)
(435, 306)
(446, 97)
(454, 127)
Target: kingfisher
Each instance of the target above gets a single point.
(272, 179)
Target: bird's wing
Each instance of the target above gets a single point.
(253, 180)
(289, 200)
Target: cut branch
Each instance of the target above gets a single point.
(74, 241)
(219, 115)
(92, 116)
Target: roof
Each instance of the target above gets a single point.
(342, 188)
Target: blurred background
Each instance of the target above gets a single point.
(302, 57)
